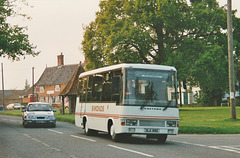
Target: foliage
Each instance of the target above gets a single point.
(190, 35)
(27, 85)
(14, 41)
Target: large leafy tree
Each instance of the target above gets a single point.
(190, 35)
(14, 41)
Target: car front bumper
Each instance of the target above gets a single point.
(40, 122)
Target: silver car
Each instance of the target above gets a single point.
(13, 106)
(38, 113)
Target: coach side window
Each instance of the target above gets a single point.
(97, 87)
(90, 88)
(117, 86)
(82, 89)
(107, 86)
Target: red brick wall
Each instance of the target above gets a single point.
(50, 93)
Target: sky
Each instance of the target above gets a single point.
(56, 27)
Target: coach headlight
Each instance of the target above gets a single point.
(130, 122)
(171, 124)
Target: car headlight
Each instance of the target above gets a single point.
(51, 117)
(131, 122)
(171, 124)
(31, 117)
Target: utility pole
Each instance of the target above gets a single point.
(2, 85)
(230, 60)
(32, 84)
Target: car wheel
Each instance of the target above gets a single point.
(24, 125)
(54, 125)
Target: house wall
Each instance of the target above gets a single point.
(50, 94)
(188, 96)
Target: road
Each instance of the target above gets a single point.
(68, 141)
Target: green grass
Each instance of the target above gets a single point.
(65, 117)
(208, 120)
(193, 120)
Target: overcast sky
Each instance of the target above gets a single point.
(56, 26)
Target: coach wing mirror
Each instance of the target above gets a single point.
(23, 110)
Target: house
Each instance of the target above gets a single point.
(11, 96)
(53, 82)
(188, 95)
(71, 89)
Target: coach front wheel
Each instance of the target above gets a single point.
(162, 138)
(115, 137)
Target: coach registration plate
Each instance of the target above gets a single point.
(151, 130)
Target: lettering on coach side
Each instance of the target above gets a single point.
(98, 108)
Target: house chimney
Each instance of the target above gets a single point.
(60, 60)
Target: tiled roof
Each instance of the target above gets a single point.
(72, 86)
(11, 94)
(57, 75)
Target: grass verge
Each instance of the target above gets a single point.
(193, 120)
(208, 120)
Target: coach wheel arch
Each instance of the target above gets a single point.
(84, 122)
(110, 123)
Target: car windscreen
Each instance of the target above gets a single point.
(39, 107)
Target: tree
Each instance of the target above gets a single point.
(27, 85)
(135, 31)
(188, 35)
(14, 41)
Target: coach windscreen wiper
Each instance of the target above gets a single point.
(166, 107)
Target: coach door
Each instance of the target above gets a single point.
(83, 83)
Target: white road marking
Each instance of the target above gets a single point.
(46, 145)
(133, 151)
(73, 156)
(36, 140)
(225, 148)
(55, 131)
(230, 148)
(27, 135)
(91, 140)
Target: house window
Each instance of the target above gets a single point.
(57, 88)
(50, 98)
(57, 99)
(42, 99)
(41, 89)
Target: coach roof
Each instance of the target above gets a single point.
(125, 65)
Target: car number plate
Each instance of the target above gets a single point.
(151, 130)
(40, 121)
